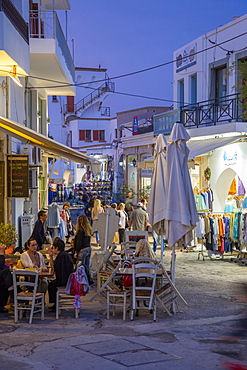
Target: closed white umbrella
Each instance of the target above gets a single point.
(181, 213)
(157, 199)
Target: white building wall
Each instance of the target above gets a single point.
(215, 55)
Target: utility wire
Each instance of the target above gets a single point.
(130, 73)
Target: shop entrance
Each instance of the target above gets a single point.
(222, 188)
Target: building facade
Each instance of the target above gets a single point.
(207, 87)
(31, 39)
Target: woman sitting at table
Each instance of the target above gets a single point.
(32, 258)
(143, 249)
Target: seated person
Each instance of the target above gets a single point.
(63, 267)
(32, 258)
(6, 281)
(143, 249)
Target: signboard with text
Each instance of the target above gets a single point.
(17, 174)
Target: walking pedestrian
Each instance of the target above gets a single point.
(139, 219)
(82, 246)
(96, 210)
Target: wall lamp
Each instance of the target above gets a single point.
(14, 77)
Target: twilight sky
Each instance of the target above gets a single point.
(129, 35)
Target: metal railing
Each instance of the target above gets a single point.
(89, 99)
(211, 112)
(15, 18)
(46, 25)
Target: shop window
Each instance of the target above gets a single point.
(101, 135)
(82, 135)
(88, 135)
(95, 135)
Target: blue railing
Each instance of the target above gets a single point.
(46, 25)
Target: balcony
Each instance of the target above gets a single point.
(212, 112)
(14, 41)
(49, 48)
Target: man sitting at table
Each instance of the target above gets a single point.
(6, 281)
(63, 267)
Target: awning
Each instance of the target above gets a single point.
(48, 145)
(200, 147)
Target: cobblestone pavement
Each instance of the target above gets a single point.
(188, 340)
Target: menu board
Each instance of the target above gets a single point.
(17, 174)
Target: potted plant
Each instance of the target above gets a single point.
(8, 235)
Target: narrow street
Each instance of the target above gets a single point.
(188, 340)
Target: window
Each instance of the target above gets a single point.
(180, 93)
(220, 82)
(101, 135)
(88, 135)
(193, 89)
(95, 135)
(82, 135)
(115, 133)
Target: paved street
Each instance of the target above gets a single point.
(188, 340)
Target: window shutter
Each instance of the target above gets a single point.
(95, 135)
(70, 104)
(81, 134)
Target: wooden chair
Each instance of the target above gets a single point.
(28, 294)
(167, 293)
(144, 271)
(65, 301)
(117, 298)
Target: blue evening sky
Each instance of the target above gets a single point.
(128, 35)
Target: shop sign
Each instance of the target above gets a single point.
(135, 125)
(186, 57)
(18, 176)
(230, 157)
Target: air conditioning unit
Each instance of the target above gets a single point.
(34, 154)
(33, 178)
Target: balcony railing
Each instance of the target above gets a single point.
(89, 99)
(212, 112)
(46, 25)
(15, 18)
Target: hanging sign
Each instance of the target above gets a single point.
(17, 175)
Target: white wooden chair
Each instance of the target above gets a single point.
(65, 301)
(144, 271)
(28, 294)
(117, 298)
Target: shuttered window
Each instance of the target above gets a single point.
(95, 135)
(70, 104)
(82, 135)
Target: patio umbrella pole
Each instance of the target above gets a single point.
(162, 249)
(173, 259)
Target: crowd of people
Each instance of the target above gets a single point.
(63, 263)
